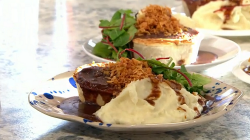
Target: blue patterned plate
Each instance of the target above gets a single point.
(50, 94)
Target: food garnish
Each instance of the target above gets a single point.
(116, 35)
(155, 19)
(191, 81)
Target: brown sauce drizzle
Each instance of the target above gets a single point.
(176, 87)
(155, 93)
(201, 102)
(206, 101)
(247, 70)
(227, 12)
(197, 111)
(205, 57)
(179, 108)
(181, 62)
(208, 98)
(93, 82)
(181, 99)
(73, 106)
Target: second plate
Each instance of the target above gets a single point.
(225, 50)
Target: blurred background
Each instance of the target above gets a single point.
(41, 36)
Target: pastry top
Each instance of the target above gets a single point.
(185, 37)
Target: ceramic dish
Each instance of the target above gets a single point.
(179, 9)
(225, 50)
(225, 32)
(239, 73)
(46, 97)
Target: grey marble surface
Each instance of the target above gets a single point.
(40, 39)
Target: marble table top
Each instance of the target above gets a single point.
(40, 39)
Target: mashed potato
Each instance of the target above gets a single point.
(130, 107)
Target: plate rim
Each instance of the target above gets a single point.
(239, 73)
(92, 55)
(193, 122)
(228, 33)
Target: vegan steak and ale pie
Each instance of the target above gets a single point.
(132, 91)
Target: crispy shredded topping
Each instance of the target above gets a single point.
(155, 19)
(125, 71)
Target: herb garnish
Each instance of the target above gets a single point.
(181, 76)
(193, 82)
(116, 35)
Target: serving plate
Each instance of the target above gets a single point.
(48, 95)
(180, 9)
(239, 73)
(225, 50)
(225, 32)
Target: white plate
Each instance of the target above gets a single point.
(179, 9)
(225, 50)
(48, 95)
(238, 71)
(225, 32)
